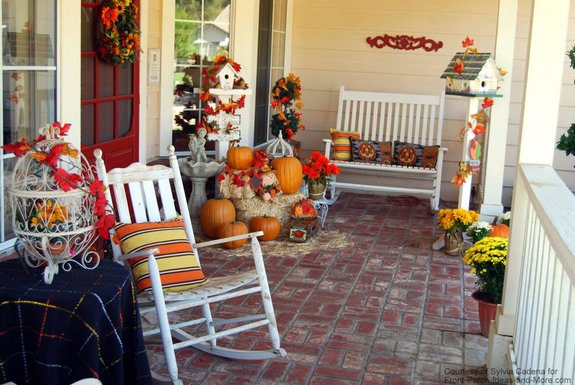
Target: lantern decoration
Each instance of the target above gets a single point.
(58, 205)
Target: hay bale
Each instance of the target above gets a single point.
(279, 207)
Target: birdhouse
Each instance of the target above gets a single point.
(226, 77)
(472, 74)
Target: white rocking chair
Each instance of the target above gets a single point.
(141, 182)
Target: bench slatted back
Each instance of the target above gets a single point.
(389, 117)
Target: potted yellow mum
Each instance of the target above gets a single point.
(487, 259)
(454, 222)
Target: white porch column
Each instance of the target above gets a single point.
(537, 143)
(494, 166)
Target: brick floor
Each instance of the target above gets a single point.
(388, 310)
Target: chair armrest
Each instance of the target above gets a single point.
(444, 149)
(228, 239)
(328, 145)
(136, 254)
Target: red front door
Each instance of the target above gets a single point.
(110, 99)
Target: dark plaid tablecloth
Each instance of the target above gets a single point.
(85, 324)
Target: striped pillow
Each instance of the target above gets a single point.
(179, 268)
(342, 143)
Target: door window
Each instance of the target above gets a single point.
(28, 84)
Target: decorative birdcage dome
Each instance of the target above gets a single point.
(53, 205)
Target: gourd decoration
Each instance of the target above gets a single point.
(501, 230)
(230, 229)
(239, 157)
(289, 172)
(271, 227)
(214, 213)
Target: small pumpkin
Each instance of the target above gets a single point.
(215, 212)
(271, 227)
(501, 231)
(230, 229)
(239, 158)
(289, 172)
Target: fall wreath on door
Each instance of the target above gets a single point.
(117, 32)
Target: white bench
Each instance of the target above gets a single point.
(385, 117)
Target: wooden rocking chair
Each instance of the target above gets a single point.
(143, 195)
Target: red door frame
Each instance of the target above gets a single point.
(119, 151)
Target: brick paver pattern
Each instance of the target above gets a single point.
(387, 310)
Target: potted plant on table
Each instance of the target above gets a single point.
(317, 172)
(487, 259)
(454, 222)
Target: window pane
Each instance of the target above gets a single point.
(88, 28)
(280, 10)
(8, 169)
(186, 33)
(125, 80)
(106, 122)
(124, 117)
(29, 103)
(28, 32)
(88, 77)
(88, 134)
(105, 80)
(278, 49)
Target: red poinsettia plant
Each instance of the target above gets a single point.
(49, 150)
(319, 169)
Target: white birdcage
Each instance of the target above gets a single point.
(55, 227)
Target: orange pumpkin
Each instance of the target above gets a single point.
(239, 158)
(229, 230)
(289, 172)
(501, 231)
(214, 213)
(271, 227)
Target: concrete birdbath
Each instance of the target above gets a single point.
(199, 172)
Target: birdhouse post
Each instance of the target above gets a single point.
(225, 98)
(476, 76)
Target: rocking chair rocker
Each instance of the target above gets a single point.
(136, 201)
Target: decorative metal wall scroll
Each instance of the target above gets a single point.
(404, 42)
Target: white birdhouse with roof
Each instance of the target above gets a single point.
(226, 77)
(472, 74)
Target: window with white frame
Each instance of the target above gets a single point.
(202, 32)
(271, 62)
(28, 84)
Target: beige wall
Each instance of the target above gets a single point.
(329, 49)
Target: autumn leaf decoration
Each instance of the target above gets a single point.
(462, 174)
(52, 155)
(469, 50)
(209, 80)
